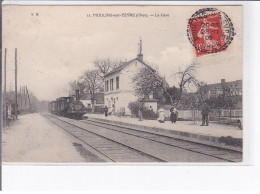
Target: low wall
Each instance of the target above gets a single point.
(214, 115)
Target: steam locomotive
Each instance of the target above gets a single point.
(68, 107)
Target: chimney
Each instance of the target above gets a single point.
(140, 55)
(77, 94)
(223, 81)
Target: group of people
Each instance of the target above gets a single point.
(174, 115)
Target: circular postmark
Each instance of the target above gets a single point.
(210, 31)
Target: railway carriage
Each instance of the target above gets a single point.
(52, 107)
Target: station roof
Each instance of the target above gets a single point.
(123, 65)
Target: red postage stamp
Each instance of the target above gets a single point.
(210, 31)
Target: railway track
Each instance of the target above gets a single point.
(114, 151)
(123, 144)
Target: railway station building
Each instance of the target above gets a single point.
(119, 89)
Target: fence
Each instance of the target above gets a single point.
(232, 113)
(214, 115)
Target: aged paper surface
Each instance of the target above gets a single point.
(122, 84)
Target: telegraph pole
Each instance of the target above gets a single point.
(25, 98)
(21, 100)
(28, 99)
(15, 108)
(4, 108)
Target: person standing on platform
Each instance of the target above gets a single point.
(174, 114)
(161, 118)
(205, 114)
(106, 111)
(141, 112)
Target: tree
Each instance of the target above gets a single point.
(227, 97)
(224, 100)
(92, 83)
(77, 85)
(105, 65)
(187, 77)
(202, 91)
(148, 81)
(172, 95)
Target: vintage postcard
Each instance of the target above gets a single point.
(122, 84)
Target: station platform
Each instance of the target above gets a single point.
(219, 135)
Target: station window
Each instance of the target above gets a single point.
(111, 84)
(117, 83)
(106, 86)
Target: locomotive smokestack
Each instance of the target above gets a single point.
(77, 94)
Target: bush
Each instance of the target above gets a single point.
(147, 114)
(134, 108)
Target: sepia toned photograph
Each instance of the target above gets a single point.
(122, 84)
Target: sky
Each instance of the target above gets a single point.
(61, 43)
